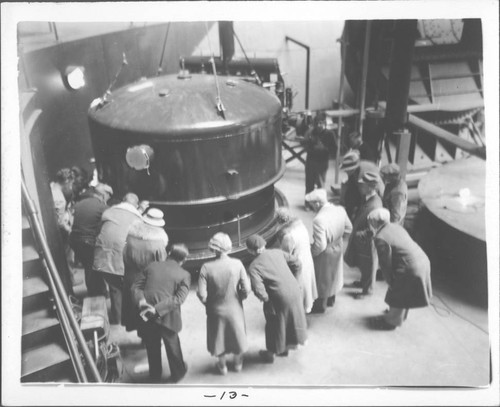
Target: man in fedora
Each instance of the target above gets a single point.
(395, 197)
(354, 167)
(360, 250)
(159, 291)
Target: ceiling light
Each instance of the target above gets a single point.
(75, 78)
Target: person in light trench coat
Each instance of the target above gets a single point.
(293, 238)
(108, 252)
(222, 286)
(406, 269)
(330, 225)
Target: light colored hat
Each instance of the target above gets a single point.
(102, 189)
(317, 195)
(256, 242)
(378, 217)
(220, 242)
(350, 161)
(283, 215)
(370, 178)
(154, 217)
(391, 171)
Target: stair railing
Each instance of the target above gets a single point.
(59, 292)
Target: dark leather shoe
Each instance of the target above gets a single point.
(283, 354)
(381, 324)
(317, 310)
(266, 356)
(331, 301)
(356, 283)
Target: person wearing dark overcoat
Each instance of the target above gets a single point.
(395, 197)
(330, 225)
(319, 143)
(108, 253)
(274, 276)
(86, 226)
(223, 284)
(159, 291)
(354, 168)
(146, 242)
(406, 269)
(360, 250)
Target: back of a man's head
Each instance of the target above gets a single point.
(132, 199)
(178, 252)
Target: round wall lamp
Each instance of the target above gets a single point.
(74, 77)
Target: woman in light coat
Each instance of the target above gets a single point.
(222, 286)
(146, 243)
(406, 269)
(330, 225)
(294, 239)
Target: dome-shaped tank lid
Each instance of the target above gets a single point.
(185, 106)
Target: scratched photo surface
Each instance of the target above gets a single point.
(225, 120)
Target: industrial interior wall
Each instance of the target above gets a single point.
(64, 131)
(268, 39)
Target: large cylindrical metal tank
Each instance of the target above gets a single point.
(165, 140)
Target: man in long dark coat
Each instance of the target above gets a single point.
(159, 292)
(406, 269)
(273, 274)
(360, 250)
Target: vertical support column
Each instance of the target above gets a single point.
(226, 39)
(404, 35)
(403, 150)
(364, 75)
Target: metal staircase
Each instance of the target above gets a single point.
(44, 352)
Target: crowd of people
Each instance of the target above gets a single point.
(125, 250)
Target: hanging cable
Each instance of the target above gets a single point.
(253, 71)
(160, 70)
(218, 102)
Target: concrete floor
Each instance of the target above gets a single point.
(445, 344)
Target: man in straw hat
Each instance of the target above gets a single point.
(159, 291)
(360, 250)
(330, 225)
(395, 197)
(406, 269)
(354, 167)
(222, 286)
(273, 282)
(146, 243)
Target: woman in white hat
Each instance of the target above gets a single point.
(222, 286)
(146, 242)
